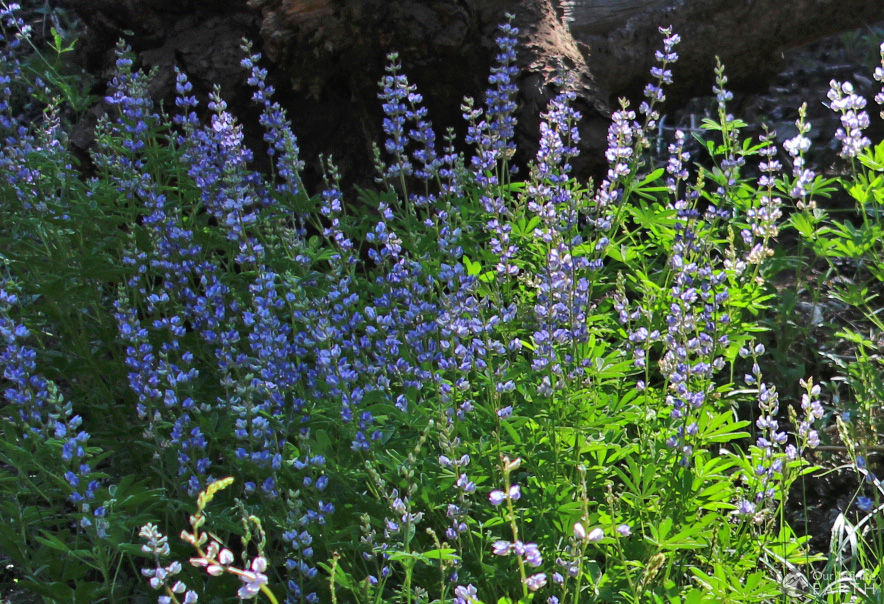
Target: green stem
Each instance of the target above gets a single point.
(269, 594)
(511, 513)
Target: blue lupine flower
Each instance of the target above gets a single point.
(283, 144)
(42, 413)
(493, 135)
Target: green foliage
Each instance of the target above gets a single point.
(566, 399)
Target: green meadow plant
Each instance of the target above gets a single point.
(495, 387)
(851, 250)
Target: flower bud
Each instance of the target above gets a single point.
(511, 466)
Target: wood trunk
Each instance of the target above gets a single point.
(327, 55)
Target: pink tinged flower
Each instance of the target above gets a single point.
(535, 582)
(595, 535)
(745, 508)
(515, 492)
(215, 570)
(225, 557)
(579, 531)
(624, 530)
(501, 548)
(254, 579)
(497, 497)
(468, 593)
(532, 555)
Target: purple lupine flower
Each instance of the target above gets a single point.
(802, 176)
(282, 143)
(253, 579)
(218, 162)
(531, 555)
(170, 277)
(493, 139)
(879, 76)
(563, 285)
(595, 535)
(662, 76)
(695, 321)
(157, 378)
(10, 59)
(675, 167)
(42, 413)
(465, 595)
(497, 497)
(762, 221)
(24, 186)
(163, 576)
(402, 105)
(395, 89)
(264, 410)
(501, 548)
(535, 582)
(854, 119)
(579, 531)
(493, 135)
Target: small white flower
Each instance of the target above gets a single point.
(579, 531)
(225, 557)
(254, 579)
(215, 570)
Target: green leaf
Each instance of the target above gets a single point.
(340, 577)
(472, 268)
(511, 431)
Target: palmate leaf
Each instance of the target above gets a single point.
(723, 586)
(791, 549)
(427, 557)
(804, 225)
(721, 428)
(694, 536)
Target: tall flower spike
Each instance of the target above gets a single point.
(879, 76)
(493, 135)
(43, 414)
(218, 161)
(402, 105)
(802, 176)
(395, 91)
(854, 119)
(283, 145)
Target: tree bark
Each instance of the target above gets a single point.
(327, 55)
(749, 36)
